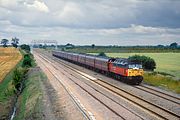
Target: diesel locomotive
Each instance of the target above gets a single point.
(130, 72)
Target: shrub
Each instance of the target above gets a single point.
(147, 62)
(25, 47)
(63, 49)
(102, 54)
(18, 77)
(27, 62)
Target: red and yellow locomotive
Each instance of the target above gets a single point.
(125, 70)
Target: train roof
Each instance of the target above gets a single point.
(122, 61)
(104, 58)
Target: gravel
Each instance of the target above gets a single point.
(57, 102)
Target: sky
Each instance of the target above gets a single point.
(86, 22)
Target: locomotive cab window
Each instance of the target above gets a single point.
(135, 66)
(114, 64)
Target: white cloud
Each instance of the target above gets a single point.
(118, 36)
(147, 30)
(22, 4)
(8, 3)
(70, 14)
(41, 6)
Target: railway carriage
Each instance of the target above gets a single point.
(82, 59)
(90, 61)
(64, 55)
(75, 57)
(57, 54)
(101, 63)
(69, 56)
(120, 68)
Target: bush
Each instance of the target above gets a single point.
(18, 77)
(102, 54)
(27, 62)
(147, 62)
(63, 49)
(25, 47)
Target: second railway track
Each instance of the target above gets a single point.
(163, 95)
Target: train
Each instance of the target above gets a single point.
(130, 72)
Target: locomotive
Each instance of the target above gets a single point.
(130, 72)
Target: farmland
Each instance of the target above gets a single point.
(9, 57)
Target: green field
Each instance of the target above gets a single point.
(165, 62)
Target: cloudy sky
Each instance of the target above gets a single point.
(84, 22)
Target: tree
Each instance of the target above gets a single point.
(160, 46)
(93, 45)
(40, 45)
(102, 54)
(69, 46)
(27, 62)
(147, 62)
(150, 64)
(44, 46)
(63, 49)
(25, 47)
(173, 45)
(53, 46)
(15, 42)
(17, 78)
(4, 42)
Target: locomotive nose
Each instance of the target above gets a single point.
(135, 72)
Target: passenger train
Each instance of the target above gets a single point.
(130, 72)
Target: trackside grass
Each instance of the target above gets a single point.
(30, 100)
(162, 81)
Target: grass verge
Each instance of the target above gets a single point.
(165, 82)
(30, 99)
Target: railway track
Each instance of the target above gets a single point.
(158, 93)
(74, 99)
(148, 106)
(153, 108)
(94, 96)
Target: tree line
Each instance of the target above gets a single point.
(14, 42)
